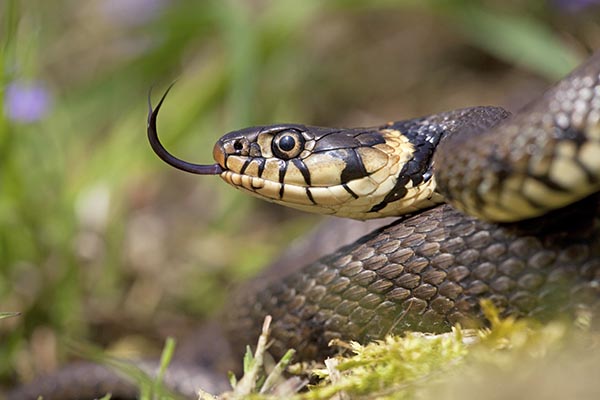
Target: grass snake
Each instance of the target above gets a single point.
(489, 205)
(521, 227)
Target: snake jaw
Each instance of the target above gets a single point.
(159, 149)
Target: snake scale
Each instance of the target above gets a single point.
(521, 223)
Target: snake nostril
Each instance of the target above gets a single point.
(219, 154)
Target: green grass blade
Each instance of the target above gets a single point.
(518, 40)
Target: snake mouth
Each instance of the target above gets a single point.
(159, 149)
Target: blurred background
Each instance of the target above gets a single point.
(101, 241)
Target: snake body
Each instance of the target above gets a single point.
(522, 226)
(427, 273)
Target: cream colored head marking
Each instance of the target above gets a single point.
(344, 172)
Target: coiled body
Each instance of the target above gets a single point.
(430, 271)
(427, 273)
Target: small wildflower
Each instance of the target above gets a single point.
(132, 12)
(26, 102)
(574, 5)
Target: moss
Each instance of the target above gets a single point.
(498, 361)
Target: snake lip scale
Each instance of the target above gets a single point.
(520, 224)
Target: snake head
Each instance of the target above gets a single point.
(353, 173)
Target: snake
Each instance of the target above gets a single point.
(488, 205)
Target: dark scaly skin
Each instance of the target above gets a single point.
(83, 380)
(427, 273)
(474, 170)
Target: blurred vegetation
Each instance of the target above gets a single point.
(100, 240)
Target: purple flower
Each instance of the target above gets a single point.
(132, 12)
(575, 5)
(26, 101)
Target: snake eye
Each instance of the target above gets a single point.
(287, 144)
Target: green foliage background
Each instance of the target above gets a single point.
(99, 240)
